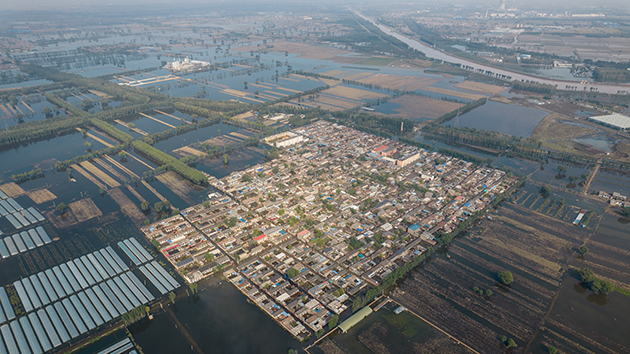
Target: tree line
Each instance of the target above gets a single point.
(170, 162)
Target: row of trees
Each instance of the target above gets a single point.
(135, 315)
(62, 165)
(171, 163)
(38, 130)
(389, 280)
(111, 131)
(611, 75)
(32, 174)
(533, 87)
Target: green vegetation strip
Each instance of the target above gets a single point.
(111, 131)
(170, 162)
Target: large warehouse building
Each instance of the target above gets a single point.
(615, 120)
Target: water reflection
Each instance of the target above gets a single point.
(599, 299)
(579, 288)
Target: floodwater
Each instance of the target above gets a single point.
(598, 315)
(500, 117)
(44, 154)
(611, 181)
(219, 320)
(402, 333)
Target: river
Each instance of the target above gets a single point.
(435, 53)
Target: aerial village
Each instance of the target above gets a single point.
(334, 214)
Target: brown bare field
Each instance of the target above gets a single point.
(157, 194)
(469, 96)
(121, 167)
(537, 253)
(87, 175)
(358, 76)
(100, 174)
(501, 99)
(337, 101)
(553, 128)
(126, 205)
(100, 94)
(99, 140)
(319, 104)
(85, 209)
(480, 87)
(110, 169)
(353, 93)
(243, 116)
(398, 82)
(419, 106)
(41, 196)
(157, 120)
(187, 150)
(412, 63)
(67, 219)
(177, 184)
(335, 72)
(12, 190)
(286, 89)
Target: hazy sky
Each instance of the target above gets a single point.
(575, 5)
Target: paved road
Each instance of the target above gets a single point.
(435, 53)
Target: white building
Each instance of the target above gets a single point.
(284, 139)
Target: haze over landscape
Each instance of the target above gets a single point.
(299, 177)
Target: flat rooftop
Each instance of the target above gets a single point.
(616, 120)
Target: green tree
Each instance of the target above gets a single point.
(206, 204)
(147, 222)
(225, 159)
(209, 257)
(131, 125)
(281, 212)
(562, 169)
(333, 322)
(61, 207)
(489, 292)
(145, 205)
(552, 350)
(625, 211)
(292, 273)
(506, 277)
(545, 190)
(275, 169)
(172, 296)
(511, 343)
(584, 250)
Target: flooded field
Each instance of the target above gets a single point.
(215, 321)
(443, 289)
(500, 117)
(386, 332)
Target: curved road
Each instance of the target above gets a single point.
(440, 55)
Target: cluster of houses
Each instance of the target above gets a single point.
(337, 212)
(616, 199)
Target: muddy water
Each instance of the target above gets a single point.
(597, 316)
(500, 117)
(219, 320)
(401, 333)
